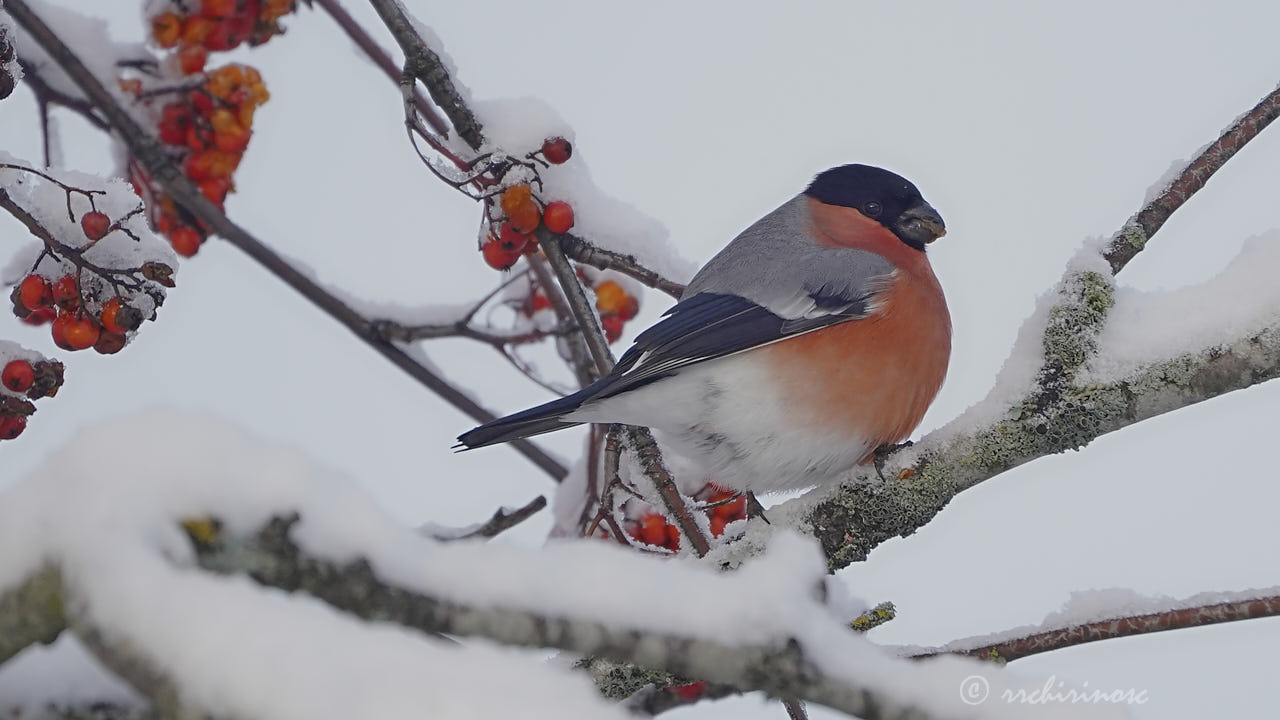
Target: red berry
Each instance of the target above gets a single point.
(612, 326)
(558, 217)
(653, 529)
(556, 150)
(18, 375)
(35, 292)
(80, 332)
(191, 59)
(510, 240)
(66, 292)
(109, 343)
(115, 321)
(536, 302)
(690, 691)
(58, 330)
(185, 241)
(95, 224)
(496, 257)
(40, 316)
(12, 426)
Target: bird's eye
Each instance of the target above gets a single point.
(871, 209)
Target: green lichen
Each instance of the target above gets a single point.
(875, 617)
(618, 681)
(1135, 236)
(1070, 335)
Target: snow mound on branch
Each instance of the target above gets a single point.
(1148, 327)
(260, 652)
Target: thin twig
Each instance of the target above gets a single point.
(646, 449)
(579, 305)
(374, 51)
(1133, 237)
(580, 250)
(501, 521)
(1048, 640)
(46, 93)
(579, 356)
(422, 63)
(148, 152)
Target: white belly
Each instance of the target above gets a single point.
(728, 417)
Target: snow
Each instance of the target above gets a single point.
(1151, 326)
(113, 531)
(519, 126)
(62, 672)
(88, 35)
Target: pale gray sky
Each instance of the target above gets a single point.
(1029, 126)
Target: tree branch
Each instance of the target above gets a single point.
(422, 63)
(584, 252)
(780, 668)
(1132, 238)
(148, 152)
(1069, 636)
(32, 612)
(503, 519)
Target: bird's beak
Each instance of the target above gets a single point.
(920, 223)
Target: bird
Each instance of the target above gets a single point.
(817, 335)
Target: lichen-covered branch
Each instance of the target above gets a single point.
(782, 669)
(31, 613)
(1058, 638)
(864, 511)
(1132, 238)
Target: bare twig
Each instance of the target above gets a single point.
(1048, 640)
(646, 449)
(580, 250)
(501, 521)
(374, 51)
(148, 152)
(1133, 237)
(579, 357)
(422, 63)
(47, 94)
(579, 305)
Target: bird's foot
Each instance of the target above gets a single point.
(755, 509)
(883, 452)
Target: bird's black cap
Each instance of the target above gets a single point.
(886, 197)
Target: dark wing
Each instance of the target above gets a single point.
(714, 325)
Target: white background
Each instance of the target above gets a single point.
(1029, 126)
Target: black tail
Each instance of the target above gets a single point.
(526, 423)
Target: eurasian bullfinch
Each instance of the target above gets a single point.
(817, 335)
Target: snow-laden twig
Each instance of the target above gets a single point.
(147, 150)
(1023, 642)
(1132, 238)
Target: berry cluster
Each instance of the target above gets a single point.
(79, 310)
(7, 81)
(24, 376)
(518, 213)
(614, 303)
(721, 506)
(208, 129)
(197, 28)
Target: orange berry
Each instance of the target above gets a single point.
(217, 8)
(232, 141)
(40, 316)
(17, 375)
(35, 292)
(215, 189)
(185, 241)
(558, 217)
(118, 317)
(717, 525)
(195, 30)
(515, 197)
(535, 302)
(556, 150)
(610, 297)
(58, 330)
(496, 257)
(80, 332)
(673, 538)
(166, 29)
(524, 218)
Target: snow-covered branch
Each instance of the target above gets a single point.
(132, 577)
(1063, 385)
